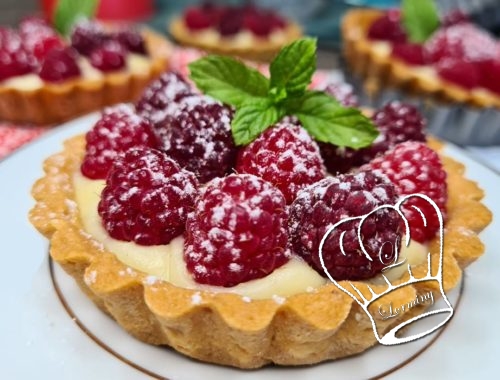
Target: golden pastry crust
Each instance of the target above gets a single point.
(223, 328)
(55, 103)
(380, 70)
(263, 50)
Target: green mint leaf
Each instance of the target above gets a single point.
(294, 66)
(68, 12)
(326, 120)
(252, 118)
(420, 19)
(228, 79)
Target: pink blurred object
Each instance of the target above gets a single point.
(112, 10)
(13, 137)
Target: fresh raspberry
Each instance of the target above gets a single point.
(59, 65)
(34, 25)
(199, 138)
(117, 131)
(259, 23)
(343, 93)
(458, 71)
(333, 199)
(454, 17)
(414, 168)
(231, 21)
(132, 40)
(39, 38)
(9, 39)
(147, 197)
(396, 122)
(237, 232)
(110, 56)
(44, 45)
(388, 28)
(197, 19)
(463, 41)
(412, 54)
(14, 61)
(162, 96)
(87, 36)
(490, 74)
(285, 156)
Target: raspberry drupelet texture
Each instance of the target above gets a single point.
(199, 138)
(87, 36)
(110, 56)
(285, 156)
(325, 203)
(388, 28)
(414, 168)
(396, 122)
(60, 65)
(237, 232)
(147, 197)
(163, 97)
(118, 130)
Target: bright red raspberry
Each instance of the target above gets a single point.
(412, 54)
(87, 36)
(199, 138)
(110, 56)
(463, 41)
(132, 40)
(396, 122)
(285, 156)
(237, 232)
(147, 197)
(14, 61)
(460, 72)
(197, 19)
(489, 74)
(60, 65)
(388, 28)
(260, 23)
(343, 93)
(117, 131)
(414, 168)
(43, 46)
(333, 199)
(163, 97)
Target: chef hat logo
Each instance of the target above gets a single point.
(389, 338)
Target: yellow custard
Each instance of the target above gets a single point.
(166, 262)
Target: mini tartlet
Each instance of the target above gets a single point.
(260, 43)
(28, 99)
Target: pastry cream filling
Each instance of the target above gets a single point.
(166, 262)
(243, 39)
(135, 63)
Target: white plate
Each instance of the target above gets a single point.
(40, 339)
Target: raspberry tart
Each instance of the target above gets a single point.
(223, 266)
(47, 78)
(245, 31)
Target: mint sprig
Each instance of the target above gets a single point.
(68, 12)
(420, 19)
(261, 102)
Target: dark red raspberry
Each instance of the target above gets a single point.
(490, 74)
(87, 36)
(14, 61)
(132, 40)
(259, 23)
(110, 56)
(463, 41)
(197, 19)
(231, 21)
(458, 71)
(456, 16)
(413, 168)
(163, 96)
(396, 122)
(147, 197)
(59, 65)
(343, 93)
(285, 156)
(199, 138)
(333, 199)
(412, 54)
(388, 28)
(237, 232)
(117, 131)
